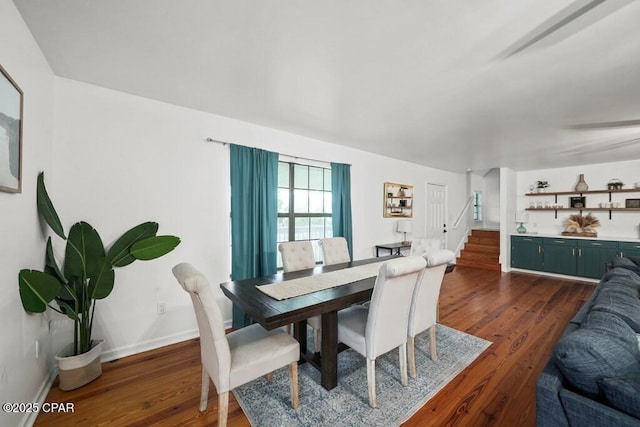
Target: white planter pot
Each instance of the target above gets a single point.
(76, 371)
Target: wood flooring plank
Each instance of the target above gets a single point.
(522, 314)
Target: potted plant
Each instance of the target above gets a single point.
(87, 276)
(541, 185)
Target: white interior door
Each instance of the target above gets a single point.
(436, 213)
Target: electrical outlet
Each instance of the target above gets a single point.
(162, 308)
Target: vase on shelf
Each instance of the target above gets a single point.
(581, 185)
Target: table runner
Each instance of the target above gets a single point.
(306, 285)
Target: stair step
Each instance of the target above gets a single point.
(479, 256)
(475, 247)
(486, 233)
(489, 241)
(476, 264)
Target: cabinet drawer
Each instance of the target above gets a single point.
(525, 239)
(560, 242)
(605, 244)
(629, 245)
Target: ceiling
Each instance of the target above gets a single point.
(454, 85)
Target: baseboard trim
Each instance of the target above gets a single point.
(30, 418)
(128, 350)
(559, 276)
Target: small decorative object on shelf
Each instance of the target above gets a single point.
(614, 184)
(541, 186)
(581, 185)
(582, 226)
(578, 202)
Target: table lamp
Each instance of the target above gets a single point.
(404, 227)
(522, 218)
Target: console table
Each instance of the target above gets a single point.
(393, 248)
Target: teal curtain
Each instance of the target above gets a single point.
(341, 203)
(254, 215)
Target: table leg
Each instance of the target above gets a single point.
(329, 350)
(300, 334)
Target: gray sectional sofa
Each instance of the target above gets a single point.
(593, 375)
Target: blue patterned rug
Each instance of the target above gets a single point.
(267, 403)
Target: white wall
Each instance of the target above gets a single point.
(22, 376)
(491, 193)
(121, 159)
(621, 224)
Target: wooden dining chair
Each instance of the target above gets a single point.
(299, 256)
(381, 327)
(423, 314)
(334, 250)
(238, 357)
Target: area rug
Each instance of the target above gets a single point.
(267, 403)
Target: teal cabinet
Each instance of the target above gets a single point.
(629, 249)
(571, 257)
(594, 255)
(526, 252)
(559, 256)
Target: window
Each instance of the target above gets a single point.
(304, 204)
(477, 206)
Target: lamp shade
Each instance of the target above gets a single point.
(522, 217)
(404, 226)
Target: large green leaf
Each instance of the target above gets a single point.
(101, 284)
(46, 209)
(119, 254)
(65, 307)
(50, 264)
(84, 251)
(154, 247)
(37, 289)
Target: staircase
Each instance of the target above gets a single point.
(482, 250)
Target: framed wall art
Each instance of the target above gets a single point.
(10, 134)
(398, 200)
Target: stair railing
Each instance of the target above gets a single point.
(464, 210)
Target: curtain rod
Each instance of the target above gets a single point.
(282, 154)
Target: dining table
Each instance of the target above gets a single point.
(273, 313)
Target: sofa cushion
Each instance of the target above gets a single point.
(623, 393)
(604, 346)
(623, 276)
(621, 301)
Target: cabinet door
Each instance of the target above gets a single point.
(559, 256)
(627, 249)
(526, 252)
(593, 257)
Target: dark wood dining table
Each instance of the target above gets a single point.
(271, 313)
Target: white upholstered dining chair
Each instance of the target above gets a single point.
(381, 327)
(423, 314)
(334, 250)
(238, 357)
(299, 256)
(420, 246)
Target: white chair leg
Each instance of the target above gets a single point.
(371, 382)
(432, 343)
(411, 355)
(402, 352)
(223, 408)
(204, 394)
(293, 379)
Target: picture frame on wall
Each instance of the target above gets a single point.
(11, 101)
(577, 202)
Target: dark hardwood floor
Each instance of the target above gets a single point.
(522, 314)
